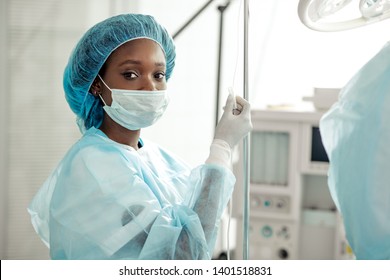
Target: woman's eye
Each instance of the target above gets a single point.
(159, 75)
(130, 75)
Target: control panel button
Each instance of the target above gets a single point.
(267, 203)
(283, 254)
(266, 231)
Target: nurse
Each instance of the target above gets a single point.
(115, 195)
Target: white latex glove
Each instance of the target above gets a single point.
(231, 128)
(229, 131)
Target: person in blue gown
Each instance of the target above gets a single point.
(115, 195)
(356, 136)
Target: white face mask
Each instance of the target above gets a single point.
(135, 109)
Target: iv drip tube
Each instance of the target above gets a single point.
(246, 147)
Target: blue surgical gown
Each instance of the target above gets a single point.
(106, 200)
(356, 136)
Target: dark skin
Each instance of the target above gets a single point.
(136, 65)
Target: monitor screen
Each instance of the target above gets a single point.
(318, 152)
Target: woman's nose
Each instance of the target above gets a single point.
(148, 84)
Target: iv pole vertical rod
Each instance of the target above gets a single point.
(246, 147)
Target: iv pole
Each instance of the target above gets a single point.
(246, 147)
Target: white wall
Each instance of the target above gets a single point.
(290, 59)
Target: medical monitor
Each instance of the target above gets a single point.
(318, 152)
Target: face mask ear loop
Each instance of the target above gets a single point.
(106, 87)
(104, 83)
(102, 100)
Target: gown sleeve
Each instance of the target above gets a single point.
(106, 206)
(356, 136)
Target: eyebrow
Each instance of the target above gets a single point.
(137, 62)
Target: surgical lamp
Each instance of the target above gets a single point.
(338, 15)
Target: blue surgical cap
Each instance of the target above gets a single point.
(92, 51)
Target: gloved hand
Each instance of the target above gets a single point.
(231, 128)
